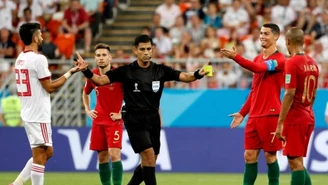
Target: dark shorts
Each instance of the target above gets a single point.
(143, 130)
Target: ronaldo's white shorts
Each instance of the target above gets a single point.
(38, 134)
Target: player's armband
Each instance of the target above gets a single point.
(271, 64)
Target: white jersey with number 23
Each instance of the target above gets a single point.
(30, 68)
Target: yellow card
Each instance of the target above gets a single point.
(209, 69)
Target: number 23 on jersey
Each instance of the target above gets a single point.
(23, 82)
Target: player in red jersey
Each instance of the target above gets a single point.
(107, 127)
(262, 105)
(296, 120)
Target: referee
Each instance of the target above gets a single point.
(143, 82)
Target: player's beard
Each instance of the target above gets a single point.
(40, 46)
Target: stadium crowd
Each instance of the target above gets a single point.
(184, 32)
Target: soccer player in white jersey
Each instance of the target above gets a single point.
(34, 85)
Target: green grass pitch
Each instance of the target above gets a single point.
(162, 179)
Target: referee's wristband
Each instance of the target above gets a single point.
(88, 73)
(197, 75)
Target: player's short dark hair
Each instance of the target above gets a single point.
(27, 31)
(142, 39)
(274, 28)
(102, 46)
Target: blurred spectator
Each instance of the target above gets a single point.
(195, 9)
(93, 8)
(265, 17)
(49, 49)
(283, 14)
(184, 5)
(146, 31)
(4, 71)
(281, 42)
(49, 8)
(7, 8)
(226, 77)
(36, 7)
(66, 44)
(156, 23)
(109, 11)
(306, 17)
(298, 5)
(182, 49)
(224, 4)
(10, 109)
(27, 17)
(321, 6)
(232, 41)
(236, 19)
(162, 42)
(7, 47)
(212, 17)
(177, 30)
(120, 54)
(317, 52)
(253, 44)
(210, 42)
(197, 29)
(168, 11)
(240, 50)
(76, 22)
(320, 28)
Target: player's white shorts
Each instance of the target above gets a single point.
(39, 134)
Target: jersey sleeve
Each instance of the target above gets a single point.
(290, 74)
(326, 111)
(118, 74)
(41, 67)
(88, 87)
(170, 73)
(260, 67)
(247, 105)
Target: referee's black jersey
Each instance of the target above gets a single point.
(143, 87)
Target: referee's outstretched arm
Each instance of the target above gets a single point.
(192, 76)
(96, 79)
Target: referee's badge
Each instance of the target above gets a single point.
(155, 86)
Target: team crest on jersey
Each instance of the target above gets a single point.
(155, 86)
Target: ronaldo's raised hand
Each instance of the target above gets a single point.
(229, 53)
(237, 119)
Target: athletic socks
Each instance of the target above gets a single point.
(25, 174)
(137, 177)
(307, 177)
(250, 174)
(273, 173)
(117, 169)
(37, 174)
(104, 173)
(149, 175)
(298, 177)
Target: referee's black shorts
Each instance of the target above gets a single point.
(144, 130)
